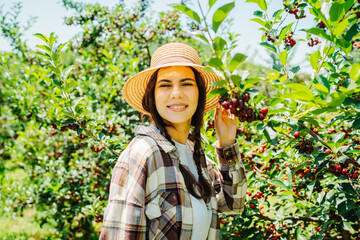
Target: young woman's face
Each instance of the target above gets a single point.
(176, 95)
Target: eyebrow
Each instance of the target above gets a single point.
(169, 81)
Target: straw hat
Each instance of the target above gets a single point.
(170, 54)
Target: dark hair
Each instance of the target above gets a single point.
(148, 104)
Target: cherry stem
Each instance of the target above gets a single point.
(312, 133)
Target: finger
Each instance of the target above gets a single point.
(217, 111)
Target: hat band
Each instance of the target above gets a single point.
(174, 60)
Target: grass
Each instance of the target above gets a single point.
(24, 227)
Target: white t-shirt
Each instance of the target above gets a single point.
(201, 212)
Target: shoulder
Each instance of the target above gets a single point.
(143, 146)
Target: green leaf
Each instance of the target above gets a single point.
(319, 14)
(277, 67)
(278, 183)
(236, 61)
(323, 81)
(42, 37)
(347, 226)
(337, 12)
(269, 46)
(314, 59)
(216, 92)
(277, 13)
(56, 70)
(45, 55)
(336, 99)
(295, 69)
(216, 62)
(211, 3)
(340, 28)
(188, 12)
(251, 81)
(221, 83)
(101, 136)
(270, 134)
(284, 31)
(261, 22)
(283, 57)
(259, 13)
(300, 87)
(319, 32)
(209, 69)
(348, 4)
(300, 95)
(322, 89)
(262, 4)
(220, 15)
(44, 47)
(219, 45)
(65, 72)
(275, 101)
(338, 136)
(58, 49)
(355, 72)
(353, 31)
(236, 79)
(79, 131)
(56, 82)
(200, 34)
(345, 45)
(52, 39)
(356, 123)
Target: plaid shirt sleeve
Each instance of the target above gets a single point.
(124, 216)
(229, 181)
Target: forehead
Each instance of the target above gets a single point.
(175, 72)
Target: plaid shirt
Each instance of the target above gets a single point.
(148, 197)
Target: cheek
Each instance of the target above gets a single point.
(159, 97)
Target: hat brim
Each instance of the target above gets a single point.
(134, 88)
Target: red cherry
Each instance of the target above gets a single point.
(327, 151)
(271, 186)
(296, 134)
(264, 111)
(246, 97)
(225, 104)
(252, 206)
(234, 102)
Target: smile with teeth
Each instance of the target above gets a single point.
(178, 107)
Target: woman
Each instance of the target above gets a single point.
(162, 186)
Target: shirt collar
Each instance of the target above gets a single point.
(155, 134)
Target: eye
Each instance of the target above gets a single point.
(165, 85)
(188, 84)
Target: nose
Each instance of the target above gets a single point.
(176, 92)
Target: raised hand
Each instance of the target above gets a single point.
(225, 126)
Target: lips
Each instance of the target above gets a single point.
(178, 107)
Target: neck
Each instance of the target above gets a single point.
(179, 133)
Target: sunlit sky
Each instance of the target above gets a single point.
(50, 18)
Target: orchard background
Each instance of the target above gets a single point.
(64, 120)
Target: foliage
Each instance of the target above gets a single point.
(302, 160)
(64, 120)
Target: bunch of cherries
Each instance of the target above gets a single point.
(296, 10)
(305, 145)
(321, 25)
(289, 40)
(241, 108)
(313, 42)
